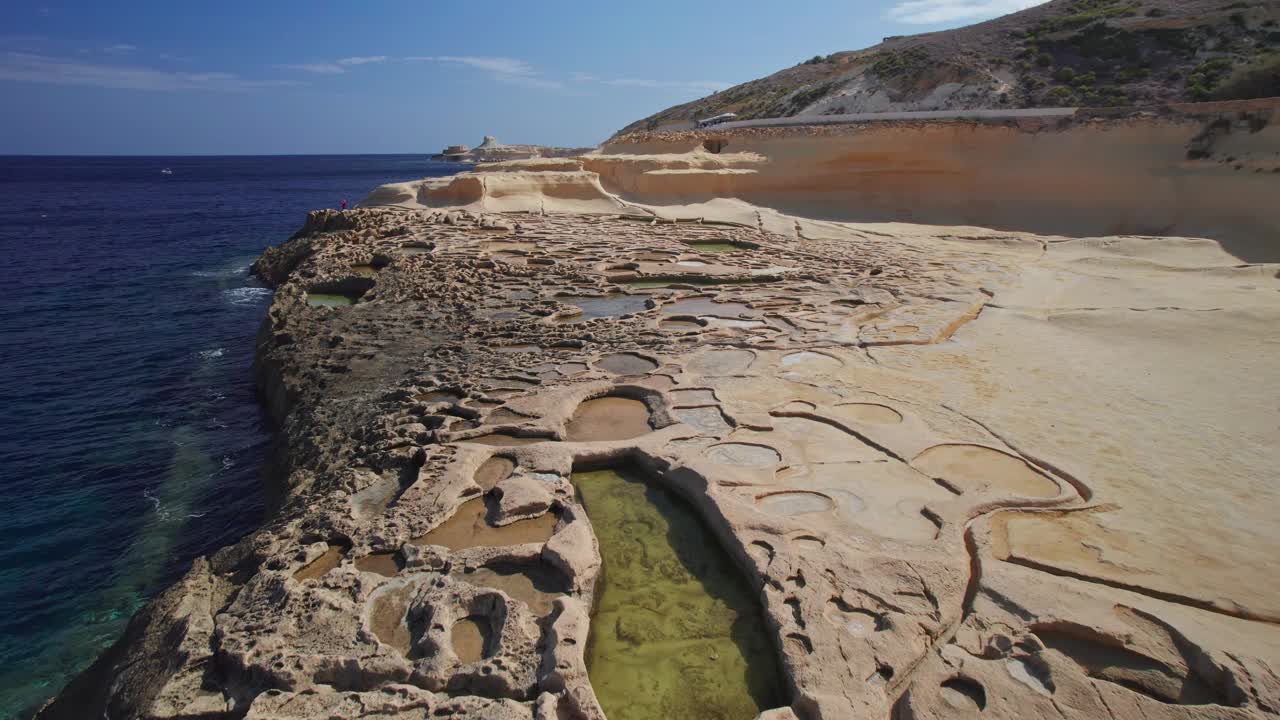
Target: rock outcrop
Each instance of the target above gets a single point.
(1199, 170)
(966, 472)
(490, 150)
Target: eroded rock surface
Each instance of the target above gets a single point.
(967, 473)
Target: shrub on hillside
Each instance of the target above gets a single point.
(1061, 96)
(1085, 12)
(1205, 78)
(1261, 79)
(893, 63)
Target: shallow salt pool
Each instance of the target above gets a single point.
(603, 307)
(676, 631)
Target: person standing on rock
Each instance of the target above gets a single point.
(344, 204)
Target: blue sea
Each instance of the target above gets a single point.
(132, 440)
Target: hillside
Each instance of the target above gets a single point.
(1063, 53)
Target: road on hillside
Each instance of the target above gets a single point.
(918, 115)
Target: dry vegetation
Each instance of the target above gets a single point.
(1064, 53)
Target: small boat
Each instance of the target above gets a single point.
(166, 171)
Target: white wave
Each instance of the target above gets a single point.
(247, 295)
(224, 272)
(210, 354)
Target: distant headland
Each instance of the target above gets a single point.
(490, 150)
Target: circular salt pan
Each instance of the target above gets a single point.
(679, 325)
(608, 418)
(744, 455)
(626, 364)
(794, 503)
(975, 468)
(869, 413)
(812, 359)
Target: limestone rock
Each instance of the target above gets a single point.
(521, 496)
(963, 471)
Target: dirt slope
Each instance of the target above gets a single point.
(1061, 54)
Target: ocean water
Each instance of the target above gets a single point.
(132, 440)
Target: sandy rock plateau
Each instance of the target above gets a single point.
(963, 472)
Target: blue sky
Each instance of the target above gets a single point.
(281, 77)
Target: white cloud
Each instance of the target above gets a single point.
(317, 68)
(521, 72)
(120, 49)
(337, 67)
(503, 69)
(927, 12)
(44, 69)
(365, 60)
(497, 65)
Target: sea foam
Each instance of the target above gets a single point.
(247, 295)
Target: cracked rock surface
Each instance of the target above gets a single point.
(969, 473)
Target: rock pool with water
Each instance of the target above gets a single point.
(676, 632)
(330, 300)
(608, 306)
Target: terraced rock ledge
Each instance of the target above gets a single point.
(959, 473)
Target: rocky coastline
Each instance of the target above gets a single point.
(939, 458)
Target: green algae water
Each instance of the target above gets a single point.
(676, 633)
(329, 300)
